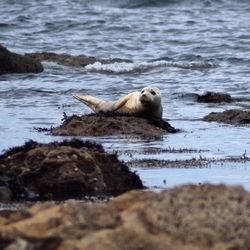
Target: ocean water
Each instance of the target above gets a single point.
(184, 47)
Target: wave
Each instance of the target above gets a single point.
(15, 94)
(144, 3)
(130, 4)
(124, 67)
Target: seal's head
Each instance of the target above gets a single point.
(150, 96)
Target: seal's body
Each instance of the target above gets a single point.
(145, 102)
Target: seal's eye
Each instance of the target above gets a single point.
(142, 91)
(152, 92)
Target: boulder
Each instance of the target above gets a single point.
(232, 116)
(113, 124)
(69, 169)
(14, 63)
(203, 217)
(212, 97)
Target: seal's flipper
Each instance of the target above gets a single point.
(124, 105)
(119, 104)
(96, 104)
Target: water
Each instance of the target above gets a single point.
(181, 46)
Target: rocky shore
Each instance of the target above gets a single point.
(232, 116)
(72, 61)
(187, 217)
(213, 97)
(113, 124)
(58, 171)
(15, 63)
(32, 62)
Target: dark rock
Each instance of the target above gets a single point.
(70, 169)
(5, 194)
(211, 97)
(204, 217)
(232, 116)
(15, 63)
(69, 60)
(113, 124)
(64, 59)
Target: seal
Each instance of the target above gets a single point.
(146, 102)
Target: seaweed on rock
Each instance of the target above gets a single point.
(62, 170)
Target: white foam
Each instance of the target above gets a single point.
(124, 67)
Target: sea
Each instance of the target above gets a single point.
(183, 47)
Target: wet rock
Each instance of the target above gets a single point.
(232, 116)
(14, 63)
(5, 194)
(212, 97)
(69, 169)
(69, 60)
(113, 124)
(188, 217)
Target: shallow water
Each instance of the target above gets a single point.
(181, 46)
(161, 178)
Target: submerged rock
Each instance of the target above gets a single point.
(188, 217)
(69, 60)
(14, 63)
(113, 124)
(69, 169)
(232, 116)
(212, 97)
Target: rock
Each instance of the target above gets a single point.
(113, 124)
(64, 59)
(69, 60)
(69, 169)
(212, 97)
(5, 194)
(203, 217)
(15, 63)
(232, 116)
